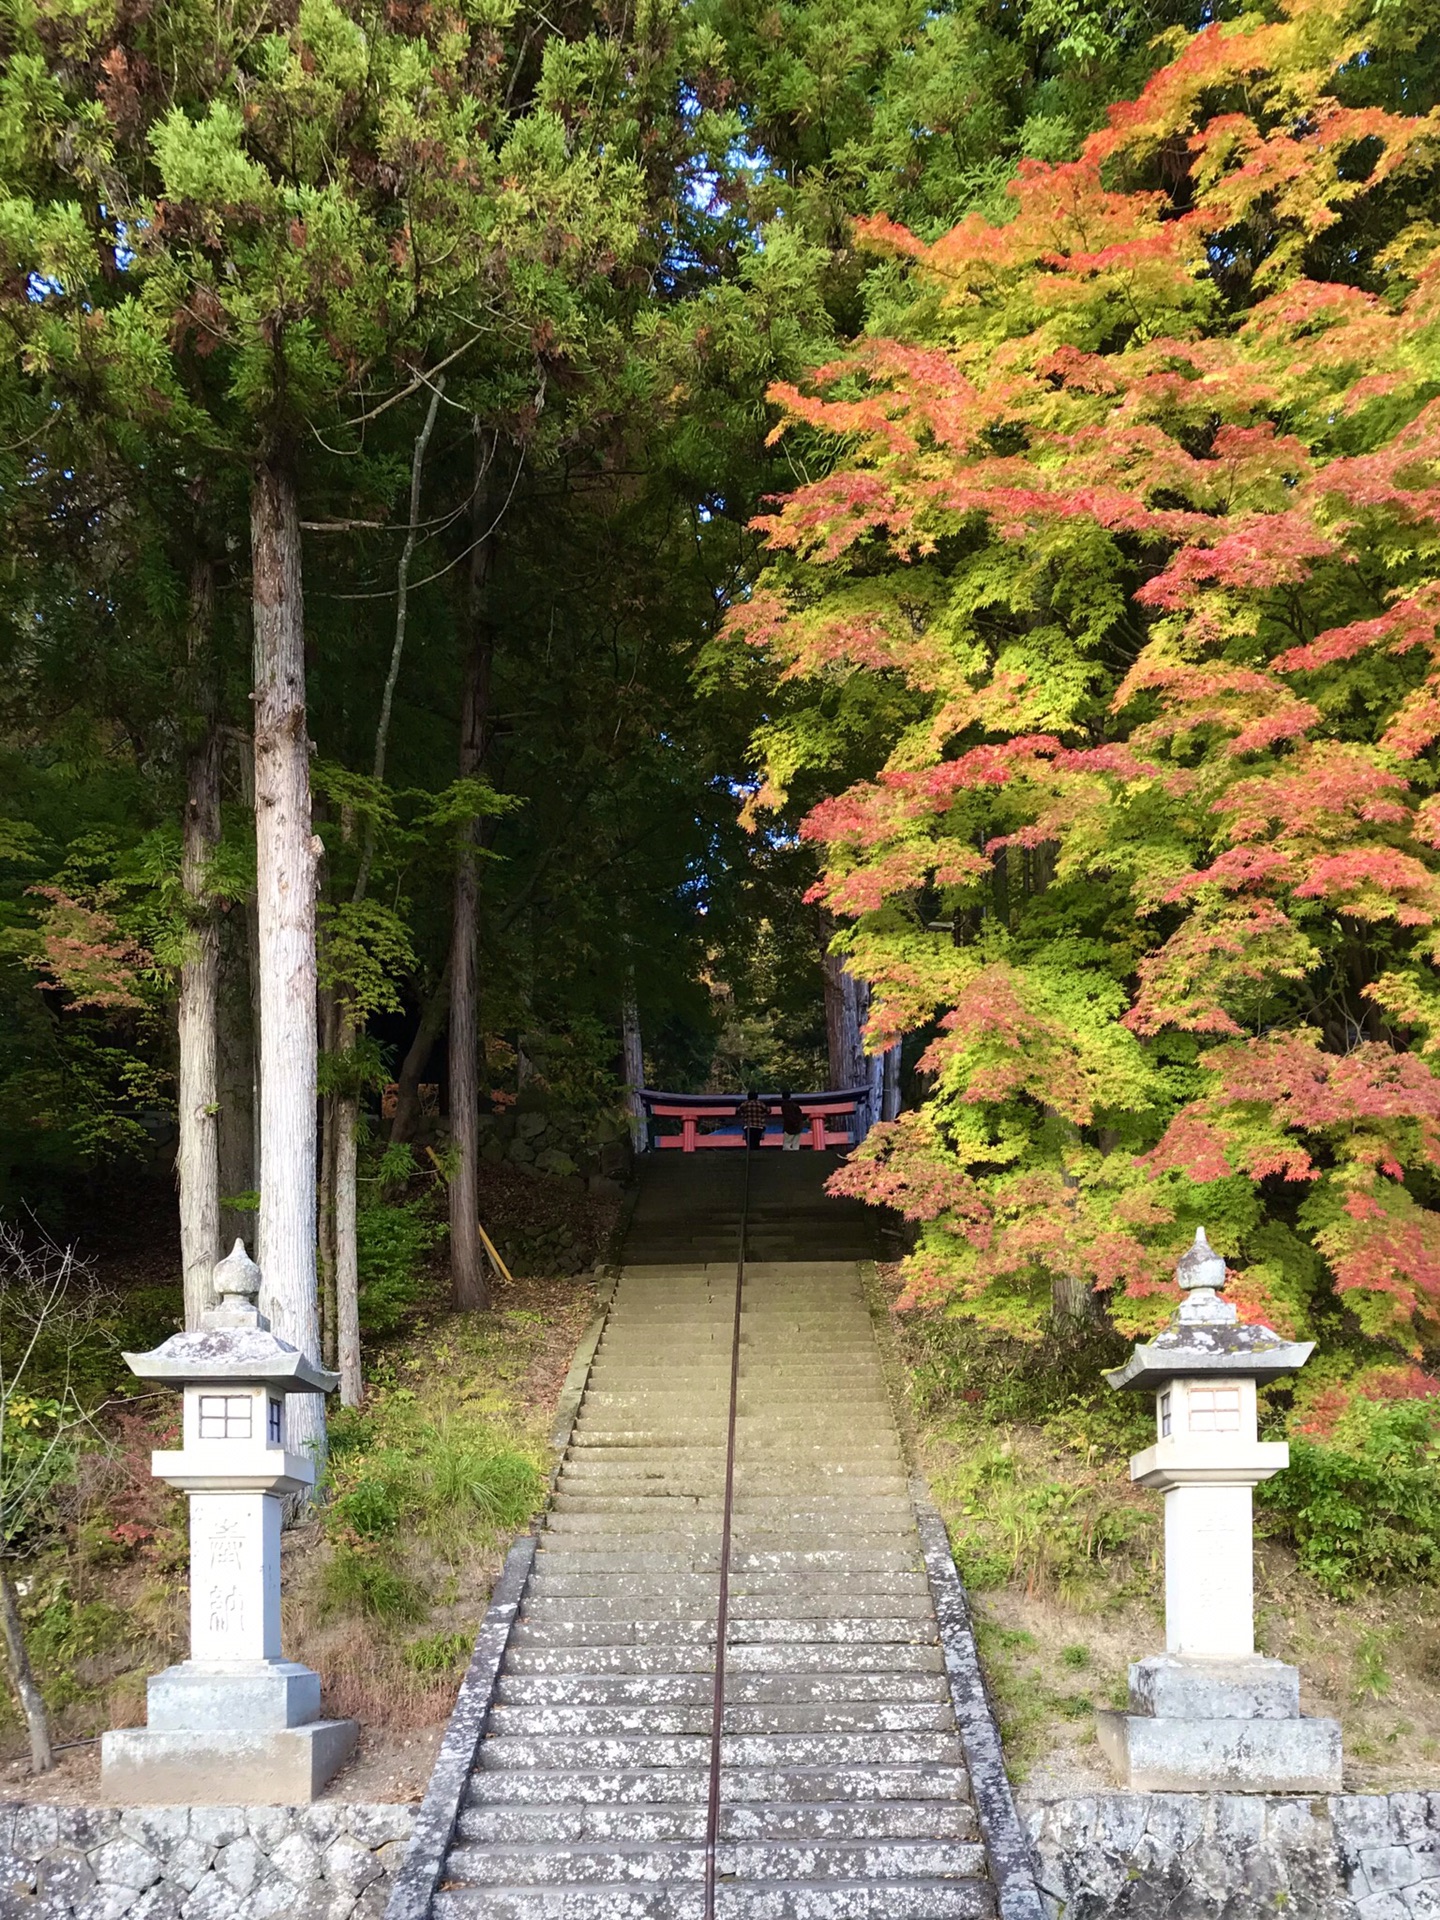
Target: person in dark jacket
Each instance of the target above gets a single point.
(792, 1121)
(752, 1113)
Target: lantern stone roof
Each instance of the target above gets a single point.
(1205, 1335)
(233, 1343)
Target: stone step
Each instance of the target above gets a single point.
(671, 1498)
(796, 1599)
(802, 1582)
(802, 1488)
(577, 1630)
(551, 1720)
(756, 1401)
(622, 1755)
(547, 1721)
(871, 1559)
(834, 1656)
(837, 1477)
(848, 1716)
(801, 1447)
(571, 1523)
(773, 1751)
(642, 1367)
(529, 1654)
(581, 1629)
(847, 1900)
(797, 1528)
(734, 1900)
(602, 1481)
(823, 1510)
(617, 1864)
(604, 1689)
(799, 1485)
(853, 1820)
(764, 1861)
(847, 1508)
(509, 1825)
(569, 1558)
(897, 1538)
(854, 1628)
(799, 1689)
(690, 1786)
(566, 1584)
(620, 1787)
(824, 1821)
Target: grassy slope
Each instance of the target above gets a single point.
(1063, 1560)
(384, 1591)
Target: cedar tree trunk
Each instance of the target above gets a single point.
(285, 911)
(634, 1063)
(347, 1254)
(433, 1013)
(197, 1160)
(468, 1273)
(235, 1073)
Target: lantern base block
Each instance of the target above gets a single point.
(250, 1695)
(1171, 1686)
(274, 1767)
(1219, 1726)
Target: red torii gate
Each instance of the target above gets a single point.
(846, 1104)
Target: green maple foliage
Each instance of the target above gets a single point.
(1127, 550)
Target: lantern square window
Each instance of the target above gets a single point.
(273, 1423)
(1165, 1414)
(1214, 1410)
(226, 1416)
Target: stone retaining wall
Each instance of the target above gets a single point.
(326, 1862)
(1113, 1856)
(1194, 1856)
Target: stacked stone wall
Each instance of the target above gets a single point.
(325, 1862)
(1196, 1856)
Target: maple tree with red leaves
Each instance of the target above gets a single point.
(1132, 539)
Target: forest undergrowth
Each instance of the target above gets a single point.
(1026, 1451)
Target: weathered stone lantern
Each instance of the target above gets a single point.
(1211, 1713)
(235, 1722)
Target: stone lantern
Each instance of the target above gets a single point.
(1210, 1713)
(236, 1722)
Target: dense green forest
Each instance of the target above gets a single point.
(475, 318)
(529, 537)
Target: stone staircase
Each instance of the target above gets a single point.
(843, 1789)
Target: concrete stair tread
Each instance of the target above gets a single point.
(552, 1718)
(508, 1824)
(766, 1861)
(626, 1752)
(735, 1900)
(843, 1790)
(794, 1603)
(689, 1786)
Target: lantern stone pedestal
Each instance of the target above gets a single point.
(1210, 1714)
(236, 1722)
